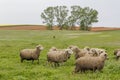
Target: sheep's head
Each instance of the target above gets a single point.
(39, 47)
(87, 48)
(53, 49)
(100, 51)
(93, 52)
(104, 55)
(74, 48)
(68, 53)
(116, 51)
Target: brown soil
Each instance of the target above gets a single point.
(24, 27)
(41, 27)
(103, 29)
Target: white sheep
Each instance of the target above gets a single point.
(90, 63)
(79, 52)
(96, 51)
(31, 54)
(117, 53)
(59, 56)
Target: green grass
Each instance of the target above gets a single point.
(12, 41)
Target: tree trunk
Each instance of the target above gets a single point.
(60, 27)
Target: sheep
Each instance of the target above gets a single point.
(59, 56)
(31, 54)
(94, 51)
(87, 48)
(79, 52)
(90, 63)
(53, 49)
(117, 53)
(86, 51)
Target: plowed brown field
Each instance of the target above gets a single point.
(41, 27)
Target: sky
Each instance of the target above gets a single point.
(28, 11)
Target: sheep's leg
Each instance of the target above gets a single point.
(32, 61)
(117, 57)
(38, 61)
(52, 64)
(47, 63)
(58, 64)
(22, 60)
(99, 69)
(55, 64)
(83, 70)
(76, 69)
(94, 69)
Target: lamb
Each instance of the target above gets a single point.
(31, 54)
(117, 53)
(90, 63)
(59, 56)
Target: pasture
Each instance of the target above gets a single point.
(12, 41)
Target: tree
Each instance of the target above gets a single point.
(61, 13)
(75, 15)
(84, 17)
(87, 17)
(48, 16)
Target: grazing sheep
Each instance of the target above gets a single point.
(79, 52)
(96, 51)
(59, 56)
(31, 54)
(117, 53)
(90, 63)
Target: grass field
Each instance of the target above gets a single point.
(12, 41)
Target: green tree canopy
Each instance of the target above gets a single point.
(61, 13)
(60, 16)
(48, 16)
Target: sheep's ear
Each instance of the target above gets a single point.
(101, 52)
(69, 47)
(41, 48)
(69, 51)
(54, 48)
(93, 50)
(115, 52)
(87, 48)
